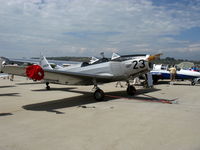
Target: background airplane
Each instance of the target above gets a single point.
(104, 70)
(162, 72)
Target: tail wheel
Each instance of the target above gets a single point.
(131, 90)
(99, 95)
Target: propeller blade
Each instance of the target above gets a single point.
(153, 57)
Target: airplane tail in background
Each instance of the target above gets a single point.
(44, 63)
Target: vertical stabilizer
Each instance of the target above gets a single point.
(44, 63)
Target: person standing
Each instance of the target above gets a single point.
(172, 71)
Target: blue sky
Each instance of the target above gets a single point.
(192, 35)
(88, 27)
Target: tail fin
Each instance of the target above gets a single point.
(44, 63)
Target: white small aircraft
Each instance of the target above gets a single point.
(162, 72)
(97, 71)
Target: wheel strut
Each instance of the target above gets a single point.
(47, 86)
(98, 94)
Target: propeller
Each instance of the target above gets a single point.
(153, 57)
(35, 72)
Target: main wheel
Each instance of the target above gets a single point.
(99, 95)
(131, 90)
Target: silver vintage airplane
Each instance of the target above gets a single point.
(97, 71)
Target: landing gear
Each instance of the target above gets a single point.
(131, 90)
(99, 95)
(47, 86)
(193, 82)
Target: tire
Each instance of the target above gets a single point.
(131, 90)
(198, 81)
(48, 87)
(99, 95)
(193, 83)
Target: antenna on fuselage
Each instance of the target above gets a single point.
(102, 54)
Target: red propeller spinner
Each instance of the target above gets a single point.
(35, 72)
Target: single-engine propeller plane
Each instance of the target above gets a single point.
(97, 71)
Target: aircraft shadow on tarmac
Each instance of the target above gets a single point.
(5, 114)
(86, 98)
(55, 89)
(10, 94)
(7, 86)
(30, 83)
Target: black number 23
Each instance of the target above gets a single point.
(138, 64)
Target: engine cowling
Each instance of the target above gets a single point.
(35, 72)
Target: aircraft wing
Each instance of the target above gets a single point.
(75, 78)
(61, 77)
(16, 70)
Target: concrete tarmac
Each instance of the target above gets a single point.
(68, 118)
